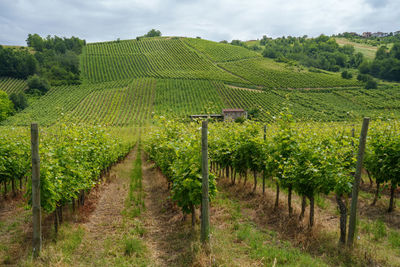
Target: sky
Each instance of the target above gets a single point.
(107, 20)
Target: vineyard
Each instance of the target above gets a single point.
(11, 85)
(133, 102)
(117, 106)
(270, 74)
(72, 159)
(219, 52)
(160, 58)
(297, 159)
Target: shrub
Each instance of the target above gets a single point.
(371, 84)
(346, 75)
(19, 101)
(36, 83)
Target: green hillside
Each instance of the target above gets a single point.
(128, 82)
(220, 52)
(157, 58)
(270, 74)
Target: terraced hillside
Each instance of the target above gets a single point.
(157, 58)
(270, 74)
(128, 82)
(220, 52)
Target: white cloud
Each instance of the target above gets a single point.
(98, 20)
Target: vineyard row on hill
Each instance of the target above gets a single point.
(11, 85)
(131, 102)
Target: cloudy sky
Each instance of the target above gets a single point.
(101, 20)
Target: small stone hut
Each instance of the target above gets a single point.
(233, 113)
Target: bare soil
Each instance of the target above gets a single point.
(167, 236)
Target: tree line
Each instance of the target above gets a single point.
(386, 64)
(54, 59)
(322, 52)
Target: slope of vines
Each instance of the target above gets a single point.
(270, 74)
(151, 57)
(220, 52)
(12, 85)
(57, 103)
(179, 98)
(124, 106)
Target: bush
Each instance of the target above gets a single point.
(6, 106)
(153, 33)
(240, 119)
(346, 75)
(19, 101)
(363, 77)
(371, 84)
(36, 83)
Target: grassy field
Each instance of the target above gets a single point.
(368, 51)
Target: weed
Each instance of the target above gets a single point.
(394, 239)
(379, 230)
(133, 246)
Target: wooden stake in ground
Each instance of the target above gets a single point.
(263, 175)
(36, 216)
(205, 216)
(356, 185)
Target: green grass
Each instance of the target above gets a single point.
(368, 51)
(134, 246)
(135, 201)
(244, 239)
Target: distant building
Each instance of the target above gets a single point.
(396, 33)
(366, 34)
(234, 113)
(380, 34)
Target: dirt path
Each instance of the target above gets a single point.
(168, 237)
(107, 216)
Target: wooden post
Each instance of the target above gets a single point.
(357, 178)
(205, 216)
(263, 175)
(36, 215)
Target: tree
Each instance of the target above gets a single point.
(6, 106)
(19, 101)
(35, 41)
(37, 84)
(346, 75)
(364, 67)
(153, 33)
(371, 84)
